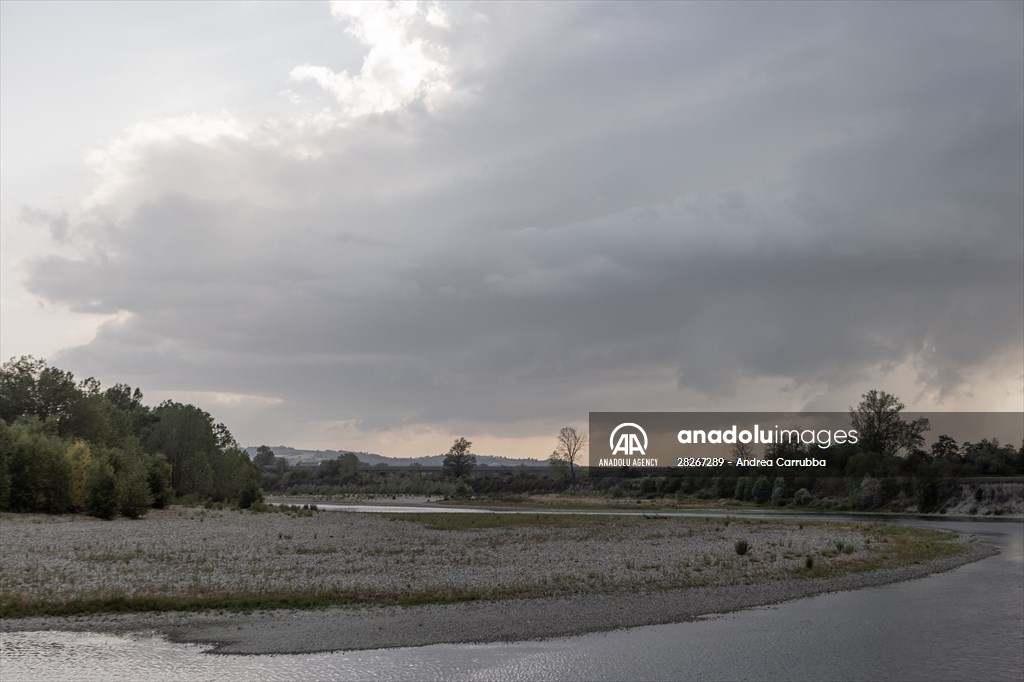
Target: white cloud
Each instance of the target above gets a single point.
(402, 64)
(119, 163)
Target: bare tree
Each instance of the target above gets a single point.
(570, 447)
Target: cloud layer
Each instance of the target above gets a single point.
(515, 215)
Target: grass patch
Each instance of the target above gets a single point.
(893, 546)
(13, 606)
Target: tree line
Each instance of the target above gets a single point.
(68, 445)
(891, 465)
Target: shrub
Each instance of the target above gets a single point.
(802, 497)
(869, 494)
(809, 562)
(250, 495)
(158, 477)
(742, 546)
(762, 490)
(779, 492)
(102, 499)
(134, 497)
(742, 488)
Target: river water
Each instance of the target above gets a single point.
(965, 624)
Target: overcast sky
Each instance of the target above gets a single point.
(379, 227)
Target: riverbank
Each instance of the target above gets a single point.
(406, 580)
(355, 628)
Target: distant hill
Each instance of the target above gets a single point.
(295, 455)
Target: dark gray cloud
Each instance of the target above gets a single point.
(625, 204)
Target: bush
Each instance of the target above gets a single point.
(742, 546)
(802, 497)
(762, 490)
(158, 477)
(250, 495)
(869, 494)
(742, 488)
(102, 491)
(462, 490)
(809, 562)
(779, 492)
(134, 497)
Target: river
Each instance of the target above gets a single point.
(965, 624)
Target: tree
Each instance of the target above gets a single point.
(103, 494)
(264, 457)
(133, 495)
(762, 490)
(744, 488)
(459, 461)
(559, 466)
(80, 458)
(946, 448)
(158, 477)
(881, 429)
(779, 492)
(570, 445)
(869, 493)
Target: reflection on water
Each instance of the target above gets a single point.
(964, 624)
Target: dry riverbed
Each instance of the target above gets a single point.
(405, 579)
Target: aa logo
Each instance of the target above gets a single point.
(631, 441)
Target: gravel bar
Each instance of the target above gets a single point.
(658, 553)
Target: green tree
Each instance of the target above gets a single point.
(264, 457)
(184, 433)
(743, 488)
(946, 448)
(80, 458)
(881, 429)
(779, 492)
(158, 478)
(103, 501)
(40, 473)
(6, 444)
(869, 493)
(762, 490)
(18, 379)
(459, 461)
(133, 495)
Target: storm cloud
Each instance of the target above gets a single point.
(562, 208)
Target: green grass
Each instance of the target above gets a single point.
(892, 546)
(13, 606)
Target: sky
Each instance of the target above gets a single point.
(378, 226)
